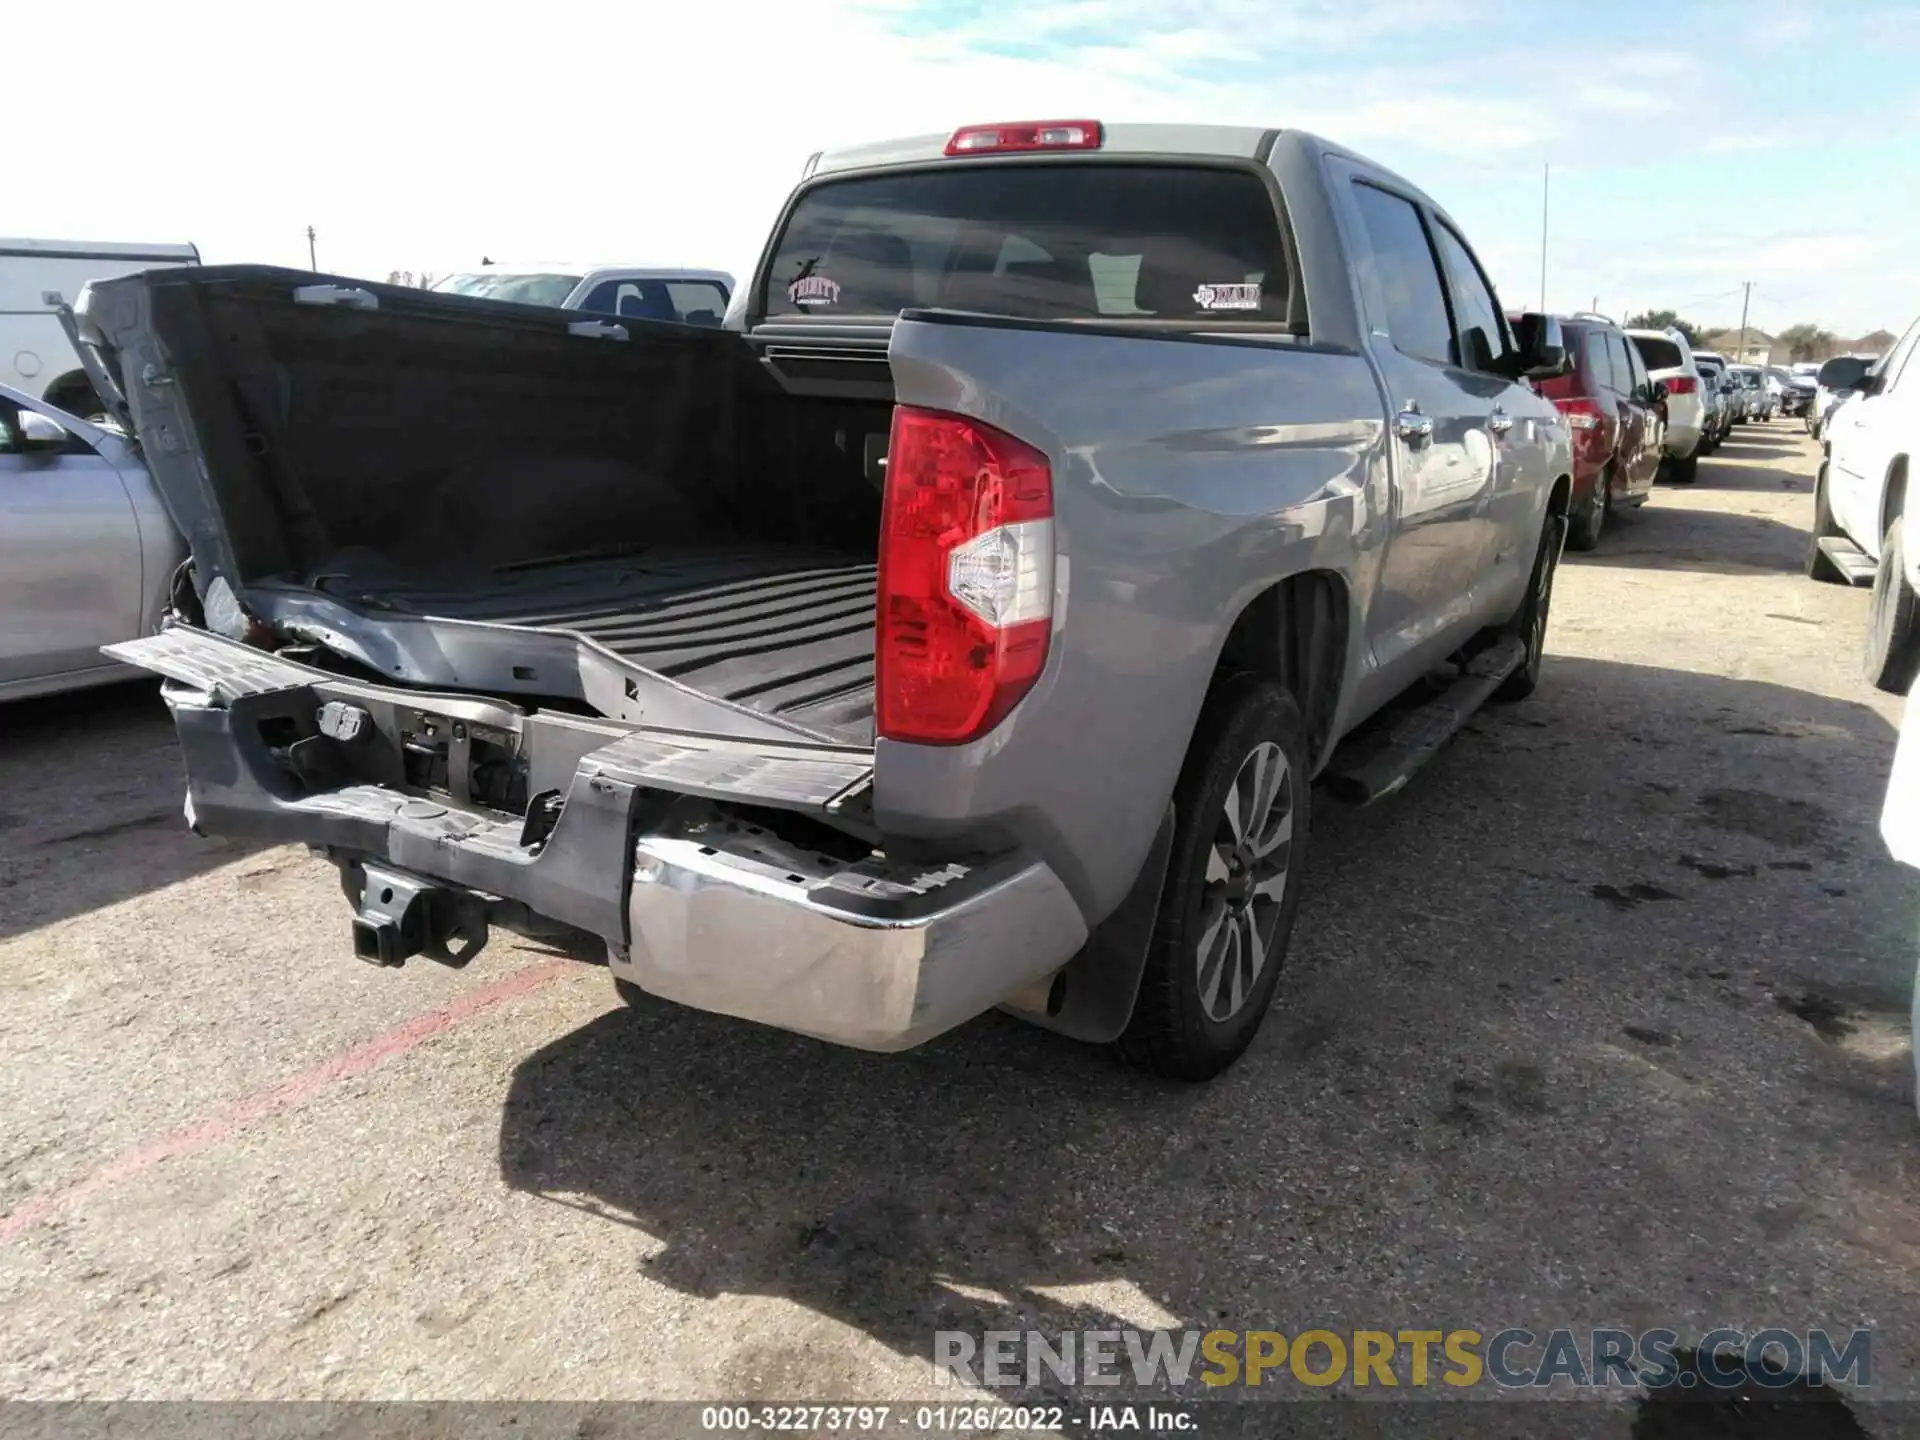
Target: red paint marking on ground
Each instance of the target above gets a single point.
(297, 1090)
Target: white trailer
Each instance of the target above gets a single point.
(38, 275)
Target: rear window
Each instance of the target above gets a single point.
(1657, 354)
(1036, 241)
(692, 302)
(542, 289)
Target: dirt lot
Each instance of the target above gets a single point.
(1602, 1021)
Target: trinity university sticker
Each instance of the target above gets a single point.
(814, 290)
(1227, 297)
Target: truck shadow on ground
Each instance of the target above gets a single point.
(79, 833)
(1673, 536)
(1433, 1123)
(1754, 468)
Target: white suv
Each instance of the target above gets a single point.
(1669, 359)
(1859, 509)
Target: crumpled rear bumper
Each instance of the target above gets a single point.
(663, 846)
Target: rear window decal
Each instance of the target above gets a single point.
(1227, 297)
(814, 290)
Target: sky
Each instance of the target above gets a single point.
(1691, 146)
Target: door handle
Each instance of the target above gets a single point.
(1410, 425)
(1499, 422)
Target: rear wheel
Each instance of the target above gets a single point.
(1683, 472)
(1590, 516)
(1819, 566)
(1893, 643)
(1226, 912)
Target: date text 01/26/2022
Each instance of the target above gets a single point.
(942, 1419)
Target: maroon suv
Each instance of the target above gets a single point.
(1613, 408)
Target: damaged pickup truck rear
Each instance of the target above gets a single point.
(963, 625)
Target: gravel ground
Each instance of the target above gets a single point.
(1601, 1021)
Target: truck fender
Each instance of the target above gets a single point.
(1091, 998)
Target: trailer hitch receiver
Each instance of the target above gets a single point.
(399, 916)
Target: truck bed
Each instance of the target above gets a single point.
(785, 631)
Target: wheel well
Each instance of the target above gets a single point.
(1894, 504)
(1560, 496)
(1295, 632)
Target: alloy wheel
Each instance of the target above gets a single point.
(1246, 879)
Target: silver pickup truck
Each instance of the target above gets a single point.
(961, 626)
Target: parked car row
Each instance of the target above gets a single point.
(1642, 405)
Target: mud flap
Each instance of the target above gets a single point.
(1092, 998)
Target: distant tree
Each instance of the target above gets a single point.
(1664, 320)
(1878, 343)
(1806, 342)
(423, 281)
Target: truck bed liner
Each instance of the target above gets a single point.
(785, 632)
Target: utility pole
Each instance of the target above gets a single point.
(1546, 179)
(1746, 295)
(312, 258)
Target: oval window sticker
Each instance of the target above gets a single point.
(814, 290)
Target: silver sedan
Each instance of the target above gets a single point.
(87, 553)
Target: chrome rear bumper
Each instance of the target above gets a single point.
(872, 955)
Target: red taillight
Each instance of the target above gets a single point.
(965, 609)
(1581, 413)
(1682, 385)
(1038, 135)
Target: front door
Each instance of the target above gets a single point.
(1442, 452)
(1520, 426)
(70, 559)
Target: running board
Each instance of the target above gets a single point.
(1849, 559)
(1379, 760)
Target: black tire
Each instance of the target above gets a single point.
(1185, 1025)
(1683, 472)
(1590, 516)
(1819, 566)
(79, 401)
(1893, 642)
(1529, 622)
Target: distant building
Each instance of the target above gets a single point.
(1760, 349)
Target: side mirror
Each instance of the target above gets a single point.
(41, 432)
(1542, 346)
(1657, 392)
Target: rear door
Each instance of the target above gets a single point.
(70, 562)
(1438, 416)
(1631, 437)
(1652, 426)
